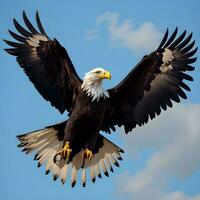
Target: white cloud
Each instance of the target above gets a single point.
(175, 138)
(92, 34)
(144, 37)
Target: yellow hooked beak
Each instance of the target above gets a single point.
(105, 75)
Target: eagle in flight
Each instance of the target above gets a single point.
(76, 144)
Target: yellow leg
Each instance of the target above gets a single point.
(87, 154)
(65, 152)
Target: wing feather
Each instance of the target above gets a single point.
(28, 24)
(171, 39)
(46, 63)
(153, 84)
(20, 29)
(40, 24)
(164, 39)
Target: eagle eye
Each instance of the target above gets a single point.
(98, 72)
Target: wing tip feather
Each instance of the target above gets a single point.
(73, 183)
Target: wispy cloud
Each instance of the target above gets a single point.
(92, 34)
(138, 38)
(175, 138)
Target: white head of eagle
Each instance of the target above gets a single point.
(92, 83)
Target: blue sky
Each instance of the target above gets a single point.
(97, 34)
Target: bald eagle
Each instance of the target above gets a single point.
(76, 144)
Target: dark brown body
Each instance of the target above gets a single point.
(85, 122)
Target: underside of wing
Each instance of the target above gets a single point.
(46, 63)
(153, 84)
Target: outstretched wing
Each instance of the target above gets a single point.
(46, 63)
(152, 84)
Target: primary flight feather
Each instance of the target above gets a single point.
(76, 144)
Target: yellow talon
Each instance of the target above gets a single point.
(65, 152)
(87, 154)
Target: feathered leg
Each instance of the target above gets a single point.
(66, 150)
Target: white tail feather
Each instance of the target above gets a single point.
(46, 144)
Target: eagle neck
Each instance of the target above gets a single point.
(94, 89)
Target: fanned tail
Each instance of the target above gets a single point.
(48, 141)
